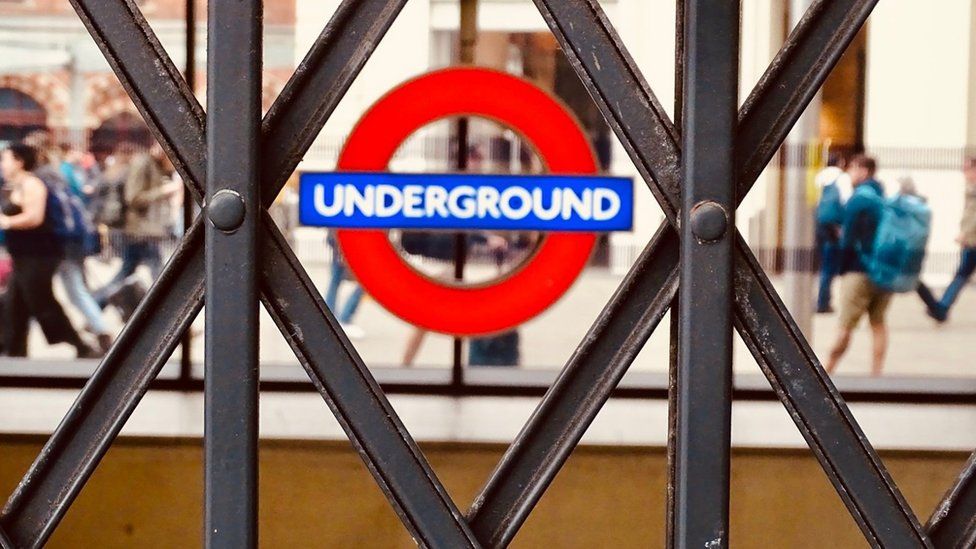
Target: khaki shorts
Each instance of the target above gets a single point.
(858, 296)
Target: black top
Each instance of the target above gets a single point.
(41, 241)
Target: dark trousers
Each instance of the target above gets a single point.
(940, 309)
(967, 265)
(829, 248)
(30, 295)
(135, 252)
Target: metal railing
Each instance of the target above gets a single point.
(692, 182)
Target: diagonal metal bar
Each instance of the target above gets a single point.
(5, 541)
(953, 523)
(70, 456)
(130, 47)
(542, 447)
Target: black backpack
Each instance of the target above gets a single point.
(429, 244)
(108, 205)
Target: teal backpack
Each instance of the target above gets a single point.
(830, 208)
(899, 245)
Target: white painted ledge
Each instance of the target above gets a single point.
(625, 422)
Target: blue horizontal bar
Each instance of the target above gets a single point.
(367, 200)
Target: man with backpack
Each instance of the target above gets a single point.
(881, 251)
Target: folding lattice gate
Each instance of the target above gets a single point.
(245, 162)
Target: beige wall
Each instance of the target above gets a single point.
(918, 74)
(148, 493)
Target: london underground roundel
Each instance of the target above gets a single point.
(362, 202)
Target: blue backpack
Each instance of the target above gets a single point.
(899, 245)
(67, 218)
(830, 209)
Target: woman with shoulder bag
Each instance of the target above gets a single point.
(36, 252)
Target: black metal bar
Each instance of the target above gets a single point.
(793, 78)
(108, 399)
(460, 243)
(674, 325)
(190, 76)
(467, 41)
(582, 29)
(152, 81)
(704, 385)
(953, 523)
(670, 510)
(588, 39)
(234, 60)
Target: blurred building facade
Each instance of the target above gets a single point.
(52, 74)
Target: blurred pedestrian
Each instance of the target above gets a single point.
(37, 253)
(834, 184)
(339, 272)
(79, 237)
(939, 310)
(69, 164)
(860, 295)
(141, 209)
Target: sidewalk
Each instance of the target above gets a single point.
(919, 346)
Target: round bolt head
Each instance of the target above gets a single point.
(709, 221)
(226, 210)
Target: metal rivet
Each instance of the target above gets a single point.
(226, 210)
(709, 221)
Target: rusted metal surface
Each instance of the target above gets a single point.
(953, 523)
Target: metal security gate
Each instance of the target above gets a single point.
(699, 168)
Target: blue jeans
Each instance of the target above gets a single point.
(135, 252)
(967, 265)
(338, 274)
(829, 250)
(72, 273)
(497, 350)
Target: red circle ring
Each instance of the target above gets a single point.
(560, 257)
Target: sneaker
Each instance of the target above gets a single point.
(353, 331)
(127, 297)
(940, 314)
(86, 351)
(104, 342)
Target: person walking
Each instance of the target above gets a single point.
(37, 252)
(834, 191)
(79, 242)
(339, 273)
(143, 212)
(860, 295)
(939, 310)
